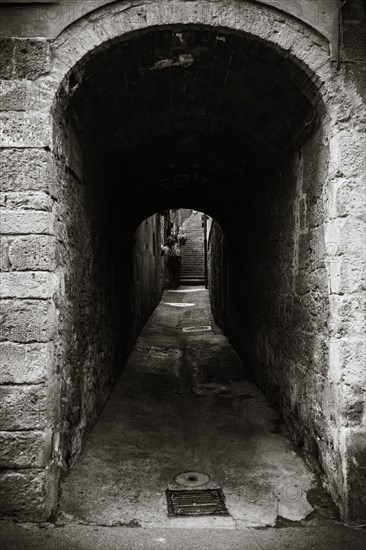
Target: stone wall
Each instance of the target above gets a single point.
(112, 282)
(282, 289)
(30, 279)
(73, 303)
(148, 274)
(55, 234)
(216, 268)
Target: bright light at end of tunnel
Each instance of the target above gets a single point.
(188, 290)
(176, 304)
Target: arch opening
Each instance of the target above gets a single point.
(189, 116)
(115, 111)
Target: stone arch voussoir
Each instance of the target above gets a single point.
(112, 23)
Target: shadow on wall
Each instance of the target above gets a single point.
(218, 276)
(113, 282)
(279, 302)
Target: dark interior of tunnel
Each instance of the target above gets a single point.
(188, 117)
(208, 104)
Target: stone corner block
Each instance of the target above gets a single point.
(23, 407)
(23, 494)
(25, 363)
(20, 222)
(23, 449)
(26, 321)
(36, 285)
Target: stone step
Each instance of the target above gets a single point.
(192, 281)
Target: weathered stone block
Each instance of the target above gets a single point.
(347, 315)
(333, 237)
(13, 95)
(6, 57)
(345, 235)
(348, 153)
(346, 274)
(24, 130)
(23, 449)
(25, 363)
(22, 170)
(354, 238)
(336, 364)
(348, 356)
(27, 321)
(26, 200)
(22, 223)
(31, 58)
(35, 253)
(4, 255)
(27, 285)
(347, 359)
(22, 407)
(347, 198)
(24, 95)
(23, 494)
(352, 405)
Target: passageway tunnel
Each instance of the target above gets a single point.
(222, 122)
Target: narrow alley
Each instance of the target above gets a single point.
(185, 403)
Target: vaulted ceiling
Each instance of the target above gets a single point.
(172, 107)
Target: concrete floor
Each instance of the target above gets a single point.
(186, 403)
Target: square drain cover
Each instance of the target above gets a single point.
(203, 502)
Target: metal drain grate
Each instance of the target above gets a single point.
(204, 502)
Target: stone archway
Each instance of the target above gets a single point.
(42, 160)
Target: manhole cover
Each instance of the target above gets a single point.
(200, 502)
(192, 479)
(203, 328)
